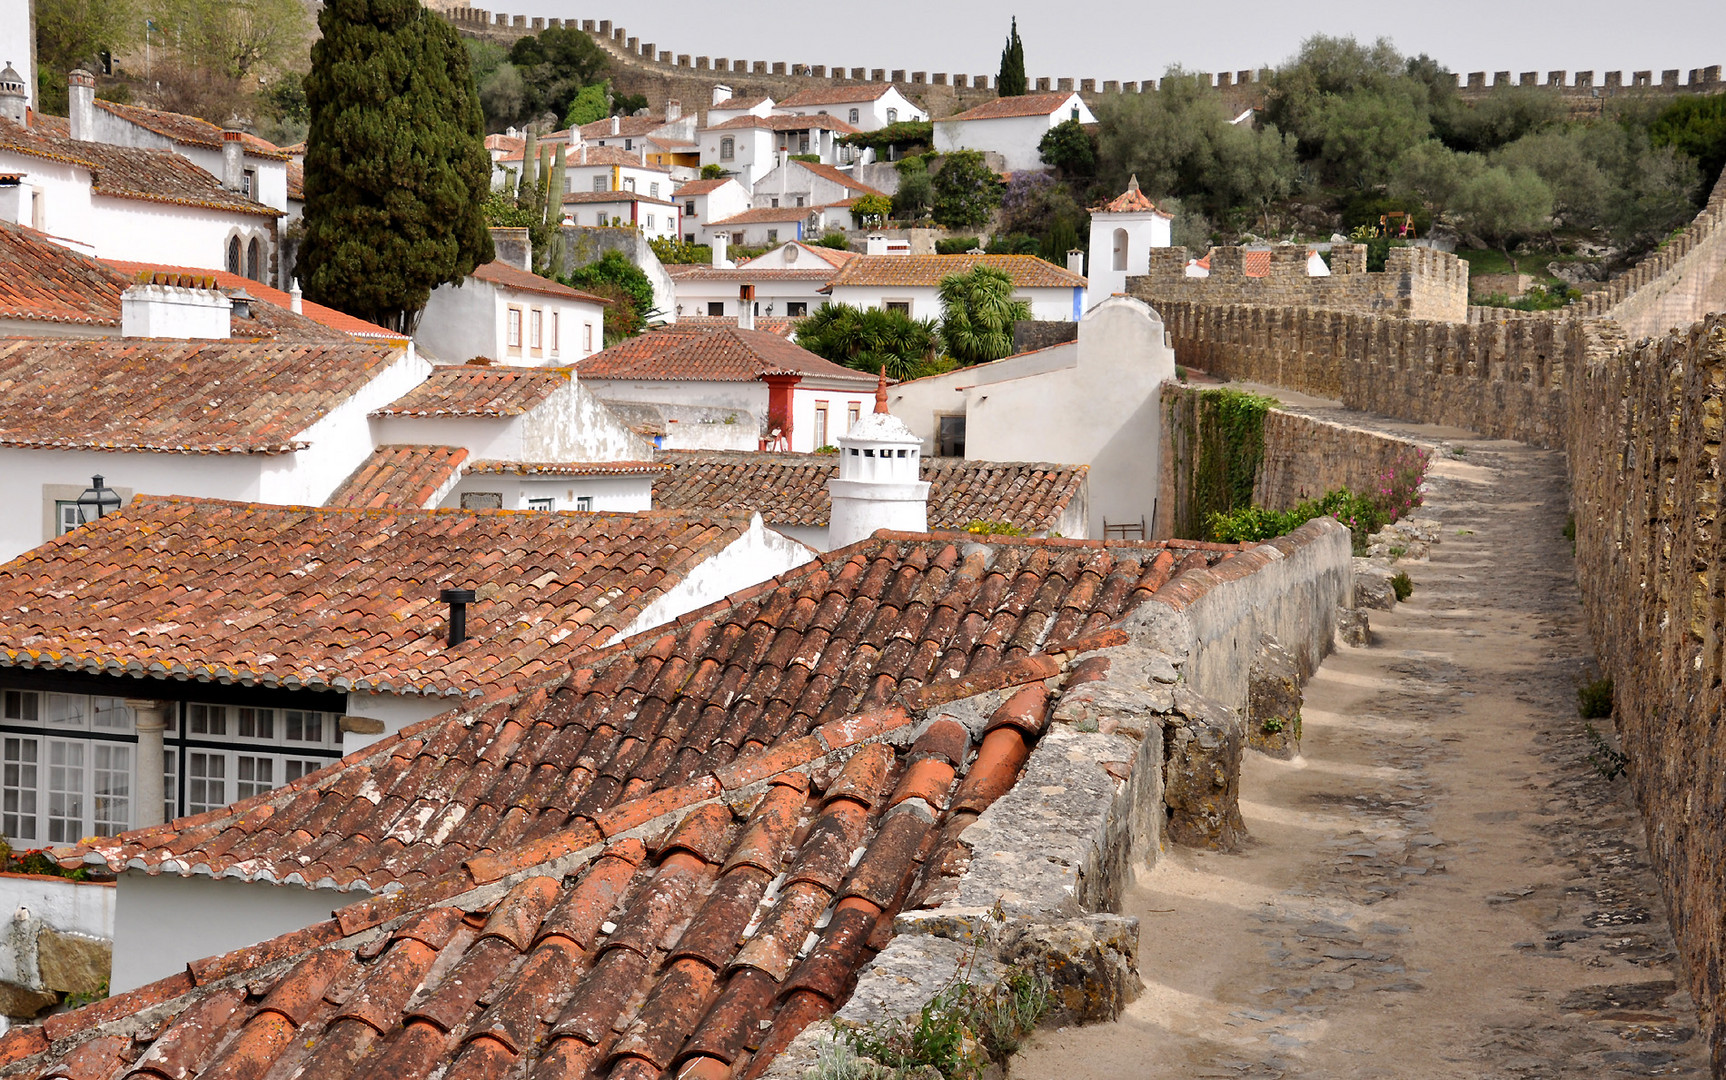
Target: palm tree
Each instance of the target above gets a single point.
(978, 315)
(868, 339)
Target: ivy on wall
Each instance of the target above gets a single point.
(1218, 442)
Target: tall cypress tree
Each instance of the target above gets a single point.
(1012, 82)
(396, 167)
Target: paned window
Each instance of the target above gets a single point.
(536, 328)
(853, 117)
(514, 328)
(67, 517)
(892, 116)
(545, 505)
(255, 260)
(19, 786)
(601, 183)
(820, 424)
(727, 148)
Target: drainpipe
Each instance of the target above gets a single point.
(150, 720)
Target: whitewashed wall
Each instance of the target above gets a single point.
(760, 553)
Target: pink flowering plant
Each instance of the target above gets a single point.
(1397, 490)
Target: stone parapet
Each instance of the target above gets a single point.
(1416, 283)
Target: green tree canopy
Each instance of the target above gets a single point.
(916, 191)
(869, 339)
(590, 103)
(966, 191)
(623, 283)
(1502, 206)
(1069, 148)
(1696, 127)
(73, 34)
(396, 168)
(1011, 82)
(872, 211)
(977, 315)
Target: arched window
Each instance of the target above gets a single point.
(853, 116)
(1121, 249)
(254, 260)
(727, 148)
(892, 116)
(233, 254)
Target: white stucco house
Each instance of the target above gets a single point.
(747, 146)
(808, 183)
(765, 226)
(911, 283)
(786, 282)
(701, 201)
(729, 106)
(865, 107)
(1011, 126)
(655, 218)
(1123, 232)
(1093, 401)
(124, 202)
(506, 314)
(806, 401)
(261, 167)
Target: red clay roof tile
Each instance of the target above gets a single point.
(1043, 104)
(722, 354)
(1026, 271)
(410, 477)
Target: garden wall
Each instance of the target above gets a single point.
(1644, 433)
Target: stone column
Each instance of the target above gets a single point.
(151, 719)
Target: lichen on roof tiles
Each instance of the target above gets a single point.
(725, 354)
(344, 598)
(791, 489)
(403, 476)
(1026, 271)
(478, 390)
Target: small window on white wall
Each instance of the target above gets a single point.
(554, 332)
(536, 328)
(586, 337)
(1120, 249)
(542, 505)
(514, 329)
(892, 116)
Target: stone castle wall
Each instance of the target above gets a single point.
(1643, 433)
(664, 74)
(1676, 285)
(1416, 283)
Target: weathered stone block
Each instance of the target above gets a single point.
(1202, 746)
(1274, 702)
(1092, 964)
(1352, 628)
(1372, 587)
(74, 964)
(23, 1003)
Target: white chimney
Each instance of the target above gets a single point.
(160, 310)
(880, 483)
(746, 307)
(876, 244)
(1076, 262)
(296, 299)
(14, 95)
(616, 125)
(673, 110)
(234, 161)
(721, 93)
(81, 105)
(784, 168)
(721, 241)
(12, 199)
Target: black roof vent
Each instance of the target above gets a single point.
(458, 600)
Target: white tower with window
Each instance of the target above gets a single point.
(880, 483)
(1123, 232)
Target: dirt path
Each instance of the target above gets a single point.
(1442, 886)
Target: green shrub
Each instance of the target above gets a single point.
(671, 251)
(955, 245)
(993, 528)
(838, 241)
(1402, 585)
(1249, 524)
(1594, 699)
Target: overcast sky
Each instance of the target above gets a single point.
(1111, 39)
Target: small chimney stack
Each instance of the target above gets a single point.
(176, 306)
(1076, 262)
(458, 600)
(234, 161)
(616, 125)
(720, 242)
(13, 98)
(296, 298)
(746, 307)
(876, 244)
(721, 93)
(81, 105)
(673, 110)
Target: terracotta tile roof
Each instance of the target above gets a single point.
(478, 390)
(505, 143)
(1024, 105)
(693, 272)
(733, 690)
(700, 187)
(783, 327)
(767, 214)
(791, 489)
(737, 101)
(567, 468)
(125, 172)
(838, 95)
(743, 914)
(340, 599)
(1027, 271)
(723, 354)
(514, 277)
(1131, 201)
(786, 123)
(626, 126)
(613, 196)
(828, 172)
(591, 156)
(190, 130)
(408, 477)
(296, 181)
(44, 282)
(830, 256)
(327, 316)
(215, 397)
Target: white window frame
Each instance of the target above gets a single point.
(536, 328)
(512, 332)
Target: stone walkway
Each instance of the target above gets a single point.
(1443, 885)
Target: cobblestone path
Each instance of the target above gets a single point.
(1443, 885)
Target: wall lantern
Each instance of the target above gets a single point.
(97, 500)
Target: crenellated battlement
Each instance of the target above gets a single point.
(1416, 283)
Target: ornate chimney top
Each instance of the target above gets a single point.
(881, 392)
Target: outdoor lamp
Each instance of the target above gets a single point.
(97, 500)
